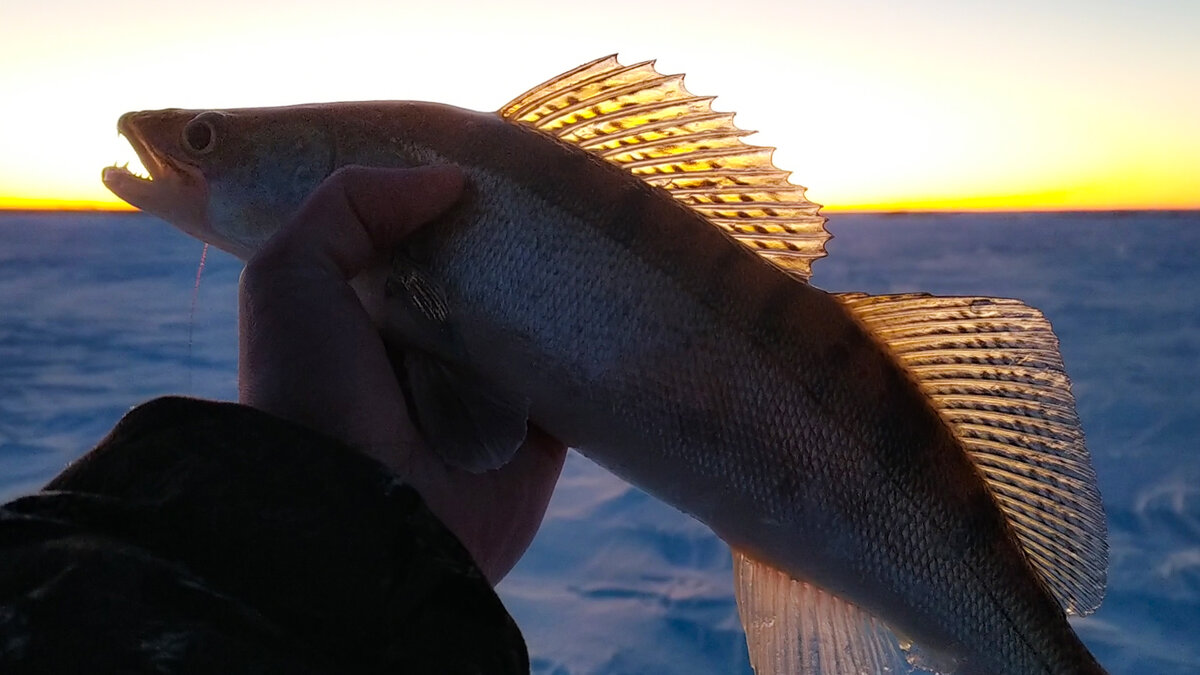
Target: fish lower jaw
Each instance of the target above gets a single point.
(128, 185)
(133, 167)
(118, 173)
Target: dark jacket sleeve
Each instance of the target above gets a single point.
(204, 537)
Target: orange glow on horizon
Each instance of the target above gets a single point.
(933, 107)
(996, 205)
(35, 204)
(1062, 199)
(960, 205)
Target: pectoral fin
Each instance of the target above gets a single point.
(467, 422)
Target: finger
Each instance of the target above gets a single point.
(308, 351)
(494, 514)
(528, 484)
(359, 212)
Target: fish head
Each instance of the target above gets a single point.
(228, 177)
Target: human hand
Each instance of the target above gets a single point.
(310, 353)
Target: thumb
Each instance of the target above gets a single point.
(391, 203)
(359, 211)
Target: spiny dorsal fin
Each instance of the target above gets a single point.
(795, 628)
(993, 370)
(652, 126)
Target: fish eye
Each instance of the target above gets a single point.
(199, 136)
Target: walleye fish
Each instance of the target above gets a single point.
(902, 478)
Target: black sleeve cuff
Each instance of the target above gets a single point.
(274, 521)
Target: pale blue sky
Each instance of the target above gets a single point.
(870, 103)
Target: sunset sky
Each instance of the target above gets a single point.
(931, 104)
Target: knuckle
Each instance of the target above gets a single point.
(263, 264)
(344, 176)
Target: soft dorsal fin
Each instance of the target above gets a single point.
(993, 371)
(649, 124)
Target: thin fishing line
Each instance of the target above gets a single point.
(192, 316)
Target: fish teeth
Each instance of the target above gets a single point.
(134, 166)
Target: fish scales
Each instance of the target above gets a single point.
(667, 351)
(778, 365)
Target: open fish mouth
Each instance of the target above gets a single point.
(134, 167)
(128, 180)
(155, 182)
(133, 180)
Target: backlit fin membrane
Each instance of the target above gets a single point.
(993, 371)
(795, 628)
(649, 124)
(466, 422)
(469, 422)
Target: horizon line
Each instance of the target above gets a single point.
(105, 208)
